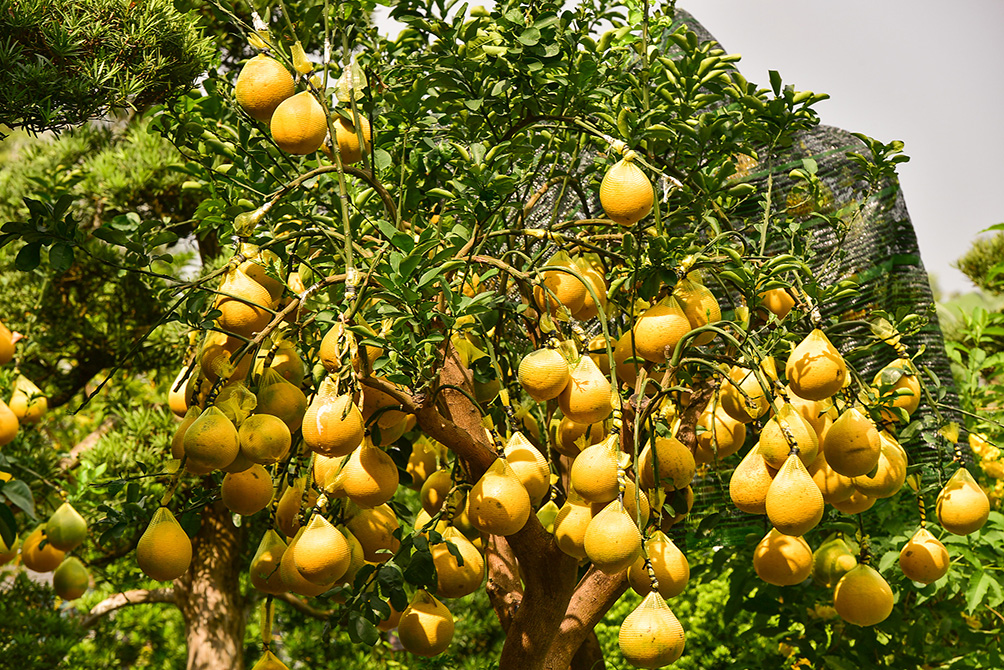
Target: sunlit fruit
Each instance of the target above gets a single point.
(651, 636)
(262, 84)
(299, 125)
(164, 551)
(626, 194)
(863, 597)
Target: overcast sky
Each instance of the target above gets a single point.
(925, 72)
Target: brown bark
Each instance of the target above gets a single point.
(504, 587)
(127, 599)
(595, 593)
(590, 655)
(209, 594)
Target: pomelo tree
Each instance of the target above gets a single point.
(538, 232)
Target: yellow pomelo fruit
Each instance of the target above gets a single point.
(426, 626)
(852, 444)
(673, 461)
(454, 580)
(281, 399)
(782, 560)
(390, 623)
(247, 492)
(559, 288)
(787, 424)
(178, 441)
(423, 461)
(215, 358)
(630, 504)
(612, 541)
(164, 551)
(587, 396)
(322, 554)
(530, 467)
(626, 194)
(857, 503)
(963, 507)
(259, 263)
(348, 140)
(292, 577)
(794, 503)
(66, 529)
(7, 554)
(9, 424)
(813, 411)
(595, 280)
(374, 529)
(264, 438)
(498, 503)
(671, 568)
(651, 636)
(357, 557)
(37, 557)
(266, 573)
(815, 369)
(287, 512)
(890, 474)
(863, 597)
(543, 374)
(899, 381)
(717, 433)
(71, 579)
(834, 486)
(593, 474)
(628, 362)
(435, 489)
(6, 345)
(243, 305)
(177, 400)
(570, 527)
(325, 472)
(748, 407)
(658, 330)
(269, 661)
(332, 424)
(924, 558)
(391, 422)
(750, 482)
(299, 125)
(777, 301)
(262, 84)
(27, 402)
(211, 442)
(831, 561)
(573, 437)
(700, 305)
(597, 350)
(369, 476)
(286, 362)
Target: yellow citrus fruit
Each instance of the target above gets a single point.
(670, 566)
(37, 557)
(782, 560)
(332, 424)
(750, 482)
(543, 374)
(6, 345)
(788, 424)
(858, 502)
(626, 193)
(890, 473)
(831, 561)
(530, 466)
(834, 486)
(247, 492)
(262, 84)
(348, 141)
(593, 474)
(266, 566)
(559, 288)
(924, 558)
(794, 504)
(727, 435)
(264, 438)
(651, 636)
(632, 499)
(269, 661)
(27, 402)
(281, 399)
(612, 540)
(243, 305)
(673, 460)
(215, 358)
(369, 476)
(322, 553)
(700, 306)
(287, 512)
(426, 626)
(777, 301)
(815, 369)
(573, 437)
(9, 425)
(658, 330)
(455, 580)
(498, 503)
(863, 597)
(71, 579)
(628, 362)
(211, 442)
(595, 280)
(423, 461)
(587, 396)
(748, 407)
(374, 529)
(963, 507)
(570, 527)
(66, 529)
(898, 381)
(852, 444)
(164, 551)
(293, 578)
(299, 125)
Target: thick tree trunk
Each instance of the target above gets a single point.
(209, 595)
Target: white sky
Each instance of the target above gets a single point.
(921, 71)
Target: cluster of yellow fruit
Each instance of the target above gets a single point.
(266, 91)
(26, 404)
(45, 548)
(990, 462)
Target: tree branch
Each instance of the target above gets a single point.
(125, 599)
(595, 594)
(303, 607)
(73, 458)
(505, 590)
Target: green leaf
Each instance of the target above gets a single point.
(530, 37)
(362, 629)
(61, 256)
(28, 257)
(18, 493)
(978, 585)
(381, 159)
(8, 526)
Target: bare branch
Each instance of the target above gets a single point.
(89, 442)
(125, 599)
(303, 607)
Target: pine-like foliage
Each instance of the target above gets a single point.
(63, 62)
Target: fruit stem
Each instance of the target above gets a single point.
(173, 483)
